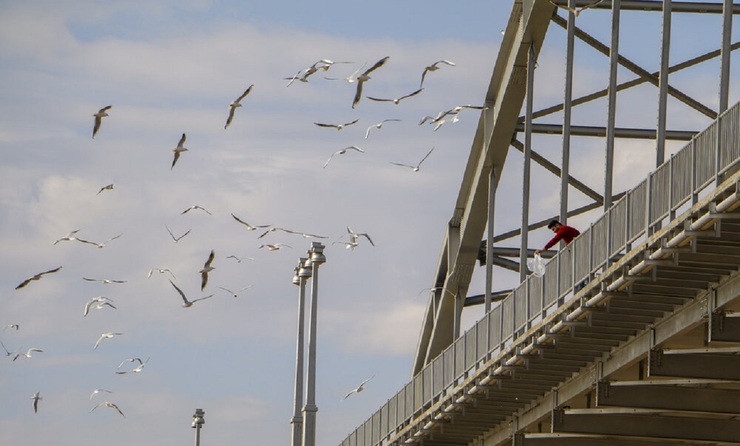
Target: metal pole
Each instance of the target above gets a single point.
(524, 245)
(198, 422)
(303, 272)
(663, 82)
(316, 257)
(724, 83)
(567, 101)
(612, 106)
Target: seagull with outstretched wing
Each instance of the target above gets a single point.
(236, 104)
(364, 77)
(359, 388)
(188, 303)
(36, 277)
(416, 167)
(102, 113)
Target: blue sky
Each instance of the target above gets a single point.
(172, 67)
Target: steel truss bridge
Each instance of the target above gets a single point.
(647, 353)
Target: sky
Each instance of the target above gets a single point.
(170, 68)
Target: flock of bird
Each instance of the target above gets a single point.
(350, 239)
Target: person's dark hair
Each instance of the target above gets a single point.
(553, 223)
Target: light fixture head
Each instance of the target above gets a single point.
(305, 268)
(198, 420)
(317, 253)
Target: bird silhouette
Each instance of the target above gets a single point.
(364, 77)
(102, 113)
(236, 104)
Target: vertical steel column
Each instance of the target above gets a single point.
(524, 246)
(567, 105)
(724, 80)
(487, 129)
(301, 275)
(663, 82)
(489, 239)
(612, 106)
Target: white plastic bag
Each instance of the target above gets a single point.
(537, 265)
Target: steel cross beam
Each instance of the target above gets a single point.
(632, 83)
(635, 68)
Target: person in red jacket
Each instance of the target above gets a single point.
(562, 232)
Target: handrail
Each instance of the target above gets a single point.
(677, 182)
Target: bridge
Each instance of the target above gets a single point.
(632, 334)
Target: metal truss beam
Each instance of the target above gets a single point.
(584, 130)
(631, 83)
(655, 6)
(632, 66)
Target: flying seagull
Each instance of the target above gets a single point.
(68, 237)
(178, 150)
(336, 126)
(302, 75)
(236, 104)
(351, 78)
(137, 369)
(234, 294)
(36, 398)
(302, 234)
(354, 236)
(101, 244)
(160, 271)
(187, 303)
(177, 239)
(274, 247)
(105, 336)
(206, 269)
(108, 187)
(378, 125)
(195, 207)
(577, 11)
(434, 67)
(99, 118)
(342, 152)
(36, 277)
(249, 227)
(96, 391)
(98, 303)
(359, 388)
(7, 352)
(364, 77)
(454, 111)
(239, 259)
(16, 326)
(27, 354)
(396, 100)
(111, 405)
(415, 168)
(105, 281)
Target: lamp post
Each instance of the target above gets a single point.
(198, 422)
(316, 257)
(302, 273)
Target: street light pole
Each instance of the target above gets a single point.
(302, 273)
(316, 257)
(198, 422)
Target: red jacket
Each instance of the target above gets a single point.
(565, 233)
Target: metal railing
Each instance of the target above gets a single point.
(677, 182)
